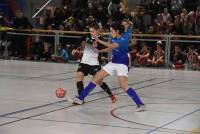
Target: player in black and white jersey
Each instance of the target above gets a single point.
(90, 62)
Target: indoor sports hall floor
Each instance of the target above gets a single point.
(28, 104)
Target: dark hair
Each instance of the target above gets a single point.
(94, 25)
(118, 27)
(62, 46)
(125, 20)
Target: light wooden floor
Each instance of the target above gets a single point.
(28, 104)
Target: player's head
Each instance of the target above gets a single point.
(125, 23)
(94, 29)
(116, 30)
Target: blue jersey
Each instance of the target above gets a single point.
(128, 33)
(64, 54)
(120, 54)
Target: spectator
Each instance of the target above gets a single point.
(184, 15)
(192, 57)
(58, 17)
(176, 6)
(146, 19)
(45, 55)
(197, 26)
(63, 55)
(177, 25)
(48, 19)
(18, 45)
(158, 56)
(21, 22)
(197, 65)
(133, 51)
(142, 56)
(177, 58)
(155, 8)
(36, 48)
(164, 21)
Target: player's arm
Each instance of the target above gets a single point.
(83, 43)
(105, 50)
(106, 44)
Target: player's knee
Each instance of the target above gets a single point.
(95, 80)
(79, 77)
(124, 87)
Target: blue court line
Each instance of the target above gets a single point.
(53, 103)
(94, 124)
(153, 130)
(29, 117)
(32, 108)
(128, 84)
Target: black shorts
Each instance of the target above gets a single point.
(88, 69)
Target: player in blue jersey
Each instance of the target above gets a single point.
(128, 28)
(128, 31)
(117, 67)
(90, 62)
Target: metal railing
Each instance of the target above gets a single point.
(70, 35)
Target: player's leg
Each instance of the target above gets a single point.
(106, 88)
(122, 72)
(104, 85)
(79, 81)
(131, 92)
(81, 73)
(96, 80)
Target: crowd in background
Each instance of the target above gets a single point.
(151, 17)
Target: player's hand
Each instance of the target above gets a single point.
(95, 37)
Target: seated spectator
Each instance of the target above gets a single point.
(158, 56)
(45, 55)
(133, 51)
(63, 55)
(36, 48)
(192, 57)
(142, 56)
(196, 66)
(177, 59)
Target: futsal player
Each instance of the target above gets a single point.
(117, 67)
(90, 61)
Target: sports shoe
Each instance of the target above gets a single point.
(77, 101)
(113, 98)
(140, 108)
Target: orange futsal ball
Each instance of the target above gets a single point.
(60, 92)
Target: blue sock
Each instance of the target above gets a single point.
(131, 92)
(86, 90)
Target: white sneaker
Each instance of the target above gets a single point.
(77, 101)
(140, 108)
